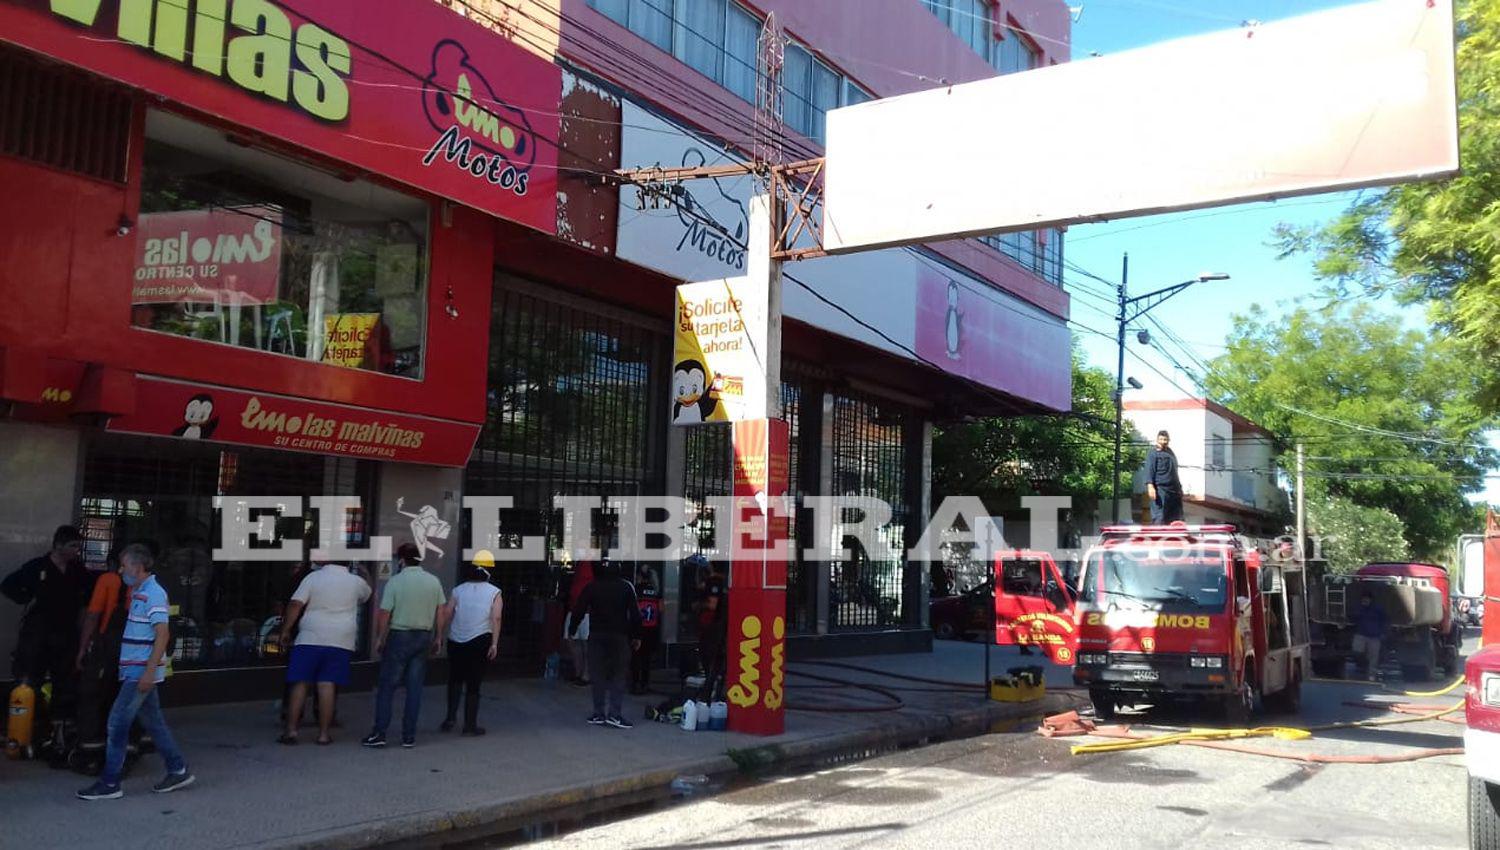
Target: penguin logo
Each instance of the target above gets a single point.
(198, 419)
(954, 333)
(690, 400)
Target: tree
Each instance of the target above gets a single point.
(1386, 413)
(1002, 459)
(1351, 535)
(1435, 243)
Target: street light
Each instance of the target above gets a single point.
(1130, 310)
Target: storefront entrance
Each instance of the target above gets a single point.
(162, 491)
(574, 408)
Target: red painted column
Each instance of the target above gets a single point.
(756, 649)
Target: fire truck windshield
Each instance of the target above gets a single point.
(1140, 578)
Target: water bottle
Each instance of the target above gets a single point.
(704, 716)
(690, 715)
(553, 662)
(718, 716)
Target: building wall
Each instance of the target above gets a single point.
(1189, 430)
(39, 464)
(887, 46)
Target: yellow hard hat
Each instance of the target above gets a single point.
(484, 559)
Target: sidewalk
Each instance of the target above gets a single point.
(539, 755)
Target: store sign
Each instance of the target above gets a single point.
(719, 347)
(1344, 98)
(186, 411)
(212, 256)
(414, 92)
(1013, 346)
(349, 339)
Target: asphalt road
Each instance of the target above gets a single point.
(1021, 789)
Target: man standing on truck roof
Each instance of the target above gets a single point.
(1162, 482)
(1369, 628)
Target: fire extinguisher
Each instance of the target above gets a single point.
(20, 721)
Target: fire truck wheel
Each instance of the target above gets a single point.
(1104, 703)
(1289, 701)
(1239, 708)
(1484, 815)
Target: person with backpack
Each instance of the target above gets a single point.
(143, 649)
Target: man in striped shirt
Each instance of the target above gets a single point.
(141, 670)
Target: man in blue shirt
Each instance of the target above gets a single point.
(142, 648)
(1369, 628)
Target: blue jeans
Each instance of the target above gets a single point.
(132, 705)
(404, 660)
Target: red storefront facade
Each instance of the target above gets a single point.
(248, 249)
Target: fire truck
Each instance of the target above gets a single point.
(1482, 703)
(1178, 612)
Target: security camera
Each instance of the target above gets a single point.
(123, 226)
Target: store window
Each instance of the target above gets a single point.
(244, 247)
(162, 493)
(1014, 53)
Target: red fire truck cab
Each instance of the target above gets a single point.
(1178, 612)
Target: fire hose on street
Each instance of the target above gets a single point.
(1229, 739)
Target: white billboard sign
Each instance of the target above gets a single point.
(1356, 96)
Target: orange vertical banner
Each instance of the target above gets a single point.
(756, 670)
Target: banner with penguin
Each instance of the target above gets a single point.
(719, 345)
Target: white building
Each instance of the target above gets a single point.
(1226, 462)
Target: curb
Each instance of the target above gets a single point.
(432, 825)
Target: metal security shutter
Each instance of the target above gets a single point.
(573, 409)
(706, 474)
(162, 492)
(63, 118)
(870, 458)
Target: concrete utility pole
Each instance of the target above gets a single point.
(1301, 504)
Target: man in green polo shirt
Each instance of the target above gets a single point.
(410, 615)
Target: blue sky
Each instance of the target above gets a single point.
(1168, 249)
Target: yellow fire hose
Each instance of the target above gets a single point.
(1285, 733)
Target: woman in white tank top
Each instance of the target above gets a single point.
(473, 617)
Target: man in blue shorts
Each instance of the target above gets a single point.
(326, 604)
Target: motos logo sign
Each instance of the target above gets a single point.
(251, 43)
(478, 133)
(404, 90)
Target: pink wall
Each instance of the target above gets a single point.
(883, 45)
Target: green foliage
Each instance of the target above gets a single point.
(1351, 535)
(1407, 437)
(1002, 459)
(1435, 243)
